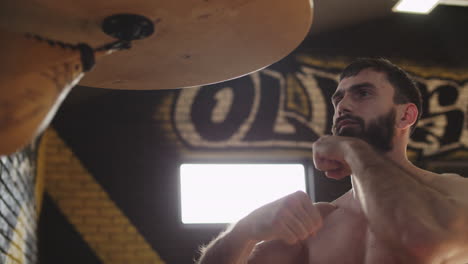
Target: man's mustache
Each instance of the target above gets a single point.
(349, 118)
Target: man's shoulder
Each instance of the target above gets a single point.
(430, 176)
(451, 184)
(450, 177)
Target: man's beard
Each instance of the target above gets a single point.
(379, 133)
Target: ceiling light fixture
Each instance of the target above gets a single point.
(454, 2)
(415, 6)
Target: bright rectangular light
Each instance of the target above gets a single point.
(224, 193)
(415, 6)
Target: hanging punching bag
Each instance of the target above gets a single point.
(35, 76)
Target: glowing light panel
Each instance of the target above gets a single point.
(415, 6)
(224, 193)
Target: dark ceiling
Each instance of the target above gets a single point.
(335, 14)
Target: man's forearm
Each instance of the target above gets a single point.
(231, 247)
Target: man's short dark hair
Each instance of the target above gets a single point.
(406, 90)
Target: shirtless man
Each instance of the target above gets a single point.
(395, 212)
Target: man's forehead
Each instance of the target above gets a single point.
(377, 79)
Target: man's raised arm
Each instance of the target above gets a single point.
(409, 214)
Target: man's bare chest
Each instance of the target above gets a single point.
(346, 238)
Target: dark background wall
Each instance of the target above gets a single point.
(129, 144)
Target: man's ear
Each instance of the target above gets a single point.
(407, 115)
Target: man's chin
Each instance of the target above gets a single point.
(349, 132)
(335, 176)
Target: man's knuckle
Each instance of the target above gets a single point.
(291, 240)
(318, 223)
(302, 194)
(304, 235)
(299, 196)
(290, 205)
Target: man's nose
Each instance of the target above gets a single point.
(344, 106)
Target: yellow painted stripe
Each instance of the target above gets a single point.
(17, 246)
(40, 168)
(89, 208)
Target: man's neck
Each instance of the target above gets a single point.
(398, 154)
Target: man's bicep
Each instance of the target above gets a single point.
(279, 252)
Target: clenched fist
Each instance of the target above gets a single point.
(329, 155)
(291, 218)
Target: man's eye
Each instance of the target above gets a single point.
(336, 100)
(364, 93)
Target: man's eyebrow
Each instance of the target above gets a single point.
(358, 86)
(353, 88)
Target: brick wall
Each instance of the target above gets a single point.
(18, 210)
(88, 207)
